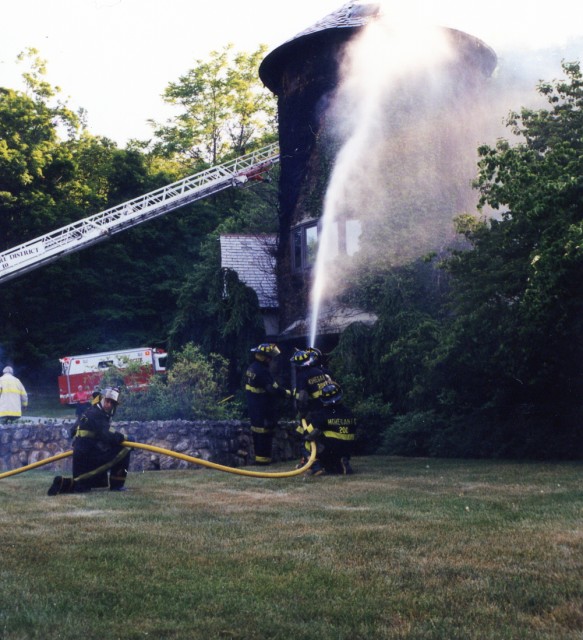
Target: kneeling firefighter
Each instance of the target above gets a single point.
(262, 392)
(333, 428)
(98, 459)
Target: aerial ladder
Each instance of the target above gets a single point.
(100, 226)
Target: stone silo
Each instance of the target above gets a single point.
(304, 74)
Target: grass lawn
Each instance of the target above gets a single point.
(44, 401)
(405, 548)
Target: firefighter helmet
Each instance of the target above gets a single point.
(317, 353)
(266, 350)
(331, 393)
(303, 358)
(111, 393)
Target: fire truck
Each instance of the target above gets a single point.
(81, 374)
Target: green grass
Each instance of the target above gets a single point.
(44, 402)
(405, 548)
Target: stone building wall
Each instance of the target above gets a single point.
(227, 442)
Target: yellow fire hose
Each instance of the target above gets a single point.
(180, 456)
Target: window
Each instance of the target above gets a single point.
(344, 239)
(353, 231)
(304, 246)
(311, 245)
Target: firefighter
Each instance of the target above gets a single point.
(13, 396)
(333, 428)
(310, 380)
(96, 395)
(262, 392)
(99, 460)
(83, 400)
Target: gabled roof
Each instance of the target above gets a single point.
(252, 257)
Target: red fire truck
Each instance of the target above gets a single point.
(81, 374)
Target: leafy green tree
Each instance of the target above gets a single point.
(111, 295)
(126, 290)
(218, 312)
(494, 368)
(515, 348)
(35, 168)
(223, 109)
(390, 357)
(382, 368)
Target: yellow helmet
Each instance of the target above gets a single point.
(266, 350)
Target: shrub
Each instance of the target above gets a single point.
(412, 434)
(194, 388)
(372, 415)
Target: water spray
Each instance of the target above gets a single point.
(358, 109)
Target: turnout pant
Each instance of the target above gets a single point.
(262, 443)
(94, 468)
(100, 468)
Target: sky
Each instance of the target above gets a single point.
(114, 58)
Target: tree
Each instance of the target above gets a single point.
(223, 109)
(35, 168)
(194, 387)
(110, 295)
(515, 347)
(491, 363)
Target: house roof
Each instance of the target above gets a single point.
(333, 319)
(252, 257)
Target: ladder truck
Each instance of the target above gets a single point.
(100, 226)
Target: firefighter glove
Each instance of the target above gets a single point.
(118, 437)
(312, 435)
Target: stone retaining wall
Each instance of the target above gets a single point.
(227, 442)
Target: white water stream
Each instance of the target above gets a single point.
(385, 52)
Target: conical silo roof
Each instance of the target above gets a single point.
(348, 19)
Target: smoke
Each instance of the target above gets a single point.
(407, 119)
(378, 69)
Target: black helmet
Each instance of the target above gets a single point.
(303, 358)
(266, 350)
(331, 393)
(317, 353)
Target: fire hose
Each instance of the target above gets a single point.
(180, 456)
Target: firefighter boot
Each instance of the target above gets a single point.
(345, 464)
(302, 462)
(61, 485)
(315, 470)
(119, 471)
(117, 481)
